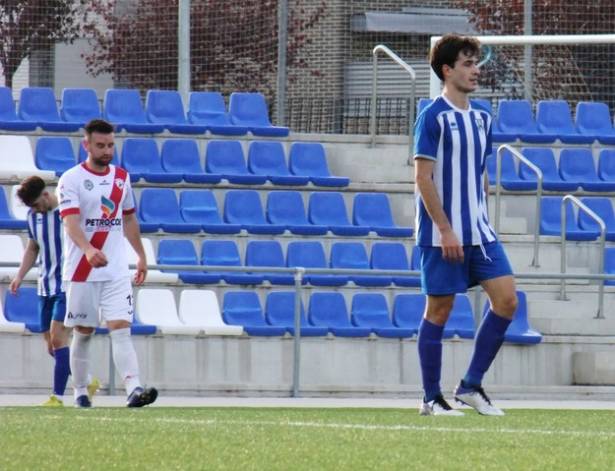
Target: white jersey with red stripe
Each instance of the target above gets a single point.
(100, 200)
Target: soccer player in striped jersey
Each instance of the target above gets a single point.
(458, 247)
(45, 244)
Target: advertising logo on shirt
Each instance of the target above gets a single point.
(106, 223)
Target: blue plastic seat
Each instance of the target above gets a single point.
(181, 157)
(280, 311)
(373, 210)
(54, 153)
(268, 253)
(553, 117)
(208, 109)
(140, 157)
(123, 108)
(577, 165)
(309, 159)
(267, 158)
(593, 119)
(312, 255)
(7, 221)
(79, 105)
(226, 158)
(328, 209)
(200, 207)
(353, 256)
(8, 116)
(82, 155)
(286, 208)
(392, 256)
(182, 252)
(159, 207)
(329, 310)
(515, 121)
(519, 330)
(461, 319)
(250, 110)
(371, 310)
(244, 207)
(23, 307)
(509, 179)
(38, 105)
(609, 264)
(604, 210)
(543, 158)
(606, 165)
(224, 253)
(408, 311)
(244, 308)
(551, 220)
(165, 107)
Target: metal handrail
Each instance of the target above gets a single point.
(582, 207)
(407, 68)
(498, 178)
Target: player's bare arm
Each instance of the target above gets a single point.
(133, 234)
(27, 262)
(423, 177)
(95, 257)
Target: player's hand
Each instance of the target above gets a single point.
(452, 251)
(96, 257)
(141, 273)
(14, 285)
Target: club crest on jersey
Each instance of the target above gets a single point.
(107, 206)
(119, 183)
(88, 185)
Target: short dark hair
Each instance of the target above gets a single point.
(448, 47)
(100, 126)
(30, 189)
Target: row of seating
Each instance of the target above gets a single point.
(179, 159)
(164, 109)
(579, 225)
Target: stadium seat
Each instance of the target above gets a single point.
(606, 165)
(17, 208)
(328, 209)
(509, 179)
(79, 105)
(329, 310)
(165, 107)
(551, 220)
(267, 158)
(199, 308)
(8, 116)
(312, 255)
(11, 251)
(609, 264)
(280, 311)
(373, 210)
(461, 319)
(604, 210)
(153, 276)
(226, 158)
(268, 253)
(408, 311)
(515, 121)
(7, 220)
(21, 163)
(594, 120)
(370, 310)
(123, 108)
(157, 307)
(243, 308)
(543, 158)
(553, 117)
(225, 253)
(392, 256)
(577, 165)
(200, 207)
(38, 105)
(23, 307)
(181, 157)
(244, 207)
(182, 252)
(82, 155)
(309, 159)
(7, 326)
(159, 207)
(55, 154)
(519, 330)
(352, 256)
(250, 110)
(208, 109)
(140, 157)
(286, 208)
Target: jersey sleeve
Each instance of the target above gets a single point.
(68, 196)
(128, 204)
(426, 136)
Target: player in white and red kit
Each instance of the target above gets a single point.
(98, 209)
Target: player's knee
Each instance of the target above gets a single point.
(507, 305)
(439, 314)
(58, 341)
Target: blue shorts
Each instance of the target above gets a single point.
(439, 277)
(51, 308)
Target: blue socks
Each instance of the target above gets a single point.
(489, 339)
(430, 356)
(61, 370)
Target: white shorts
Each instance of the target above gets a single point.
(89, 303)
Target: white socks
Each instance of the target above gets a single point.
(80, 362)
(125, 358)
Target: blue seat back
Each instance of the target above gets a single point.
(515, 116)
(415, 258)
(140, 155)
(264, 253)
(577, 165)
(248, 109)
(603, 209)
(327, 208)
(243, 207)
(286, 207)
(22, 307)
(220, 252)
(308, 159)
(124, 106)
(554, 116)
(225, 157)
(4, 208)
(370, 310)
(54, 153)
(199, 207)
(509, 172)
(38, 104)
(408, 310)
(328, 309)
(544, 159)
(207, 108)
(267, 158)
(280, 309)
(164, 107)
(462, 316)
(159, 205)
(242, 308)
(180, 156)
(593, 117)
(306, 254)
(606, 165)
(177, 252)
(389, 256)
(7, 105)
(349, 255)
(79, 105)
(551, 214)
(372, 209)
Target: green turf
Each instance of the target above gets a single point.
(310, 439)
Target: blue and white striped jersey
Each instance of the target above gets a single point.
(458, 141)
(46, 230)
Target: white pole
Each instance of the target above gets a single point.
(183, 44)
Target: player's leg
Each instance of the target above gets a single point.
(45, 307)
(59, 342)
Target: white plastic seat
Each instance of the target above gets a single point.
(200, 308)
(16, 206)
(157, 307)
(18, 159)
(10, 326)
(153, 276)
(11, 251)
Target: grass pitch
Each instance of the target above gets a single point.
(302, 439)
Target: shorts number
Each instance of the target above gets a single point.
(129, 298)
